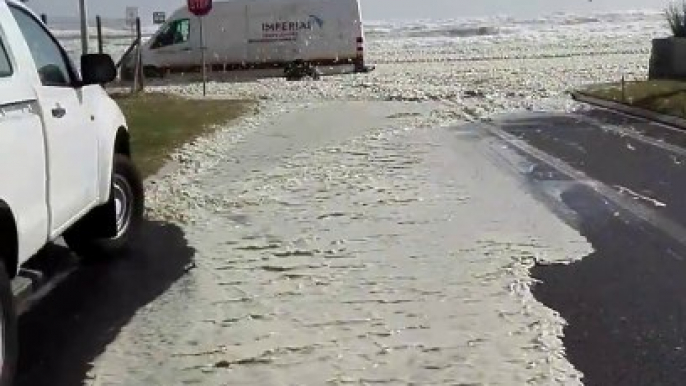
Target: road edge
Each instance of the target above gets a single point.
(644, 213)
(668, 120)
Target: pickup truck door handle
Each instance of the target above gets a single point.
(59, 112)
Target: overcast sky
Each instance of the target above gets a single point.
(377, 9)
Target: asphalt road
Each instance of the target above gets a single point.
(625, 303)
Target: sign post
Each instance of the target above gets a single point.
(131, 16)
(201, 8)
(84, 26)
(204, 60)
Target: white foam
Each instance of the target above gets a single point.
(496, 25)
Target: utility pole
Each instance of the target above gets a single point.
(84, 26)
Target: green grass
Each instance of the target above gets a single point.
(160, 123)
(662, 96)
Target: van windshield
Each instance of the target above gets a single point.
(176, 32)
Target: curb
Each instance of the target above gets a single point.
(668, 120)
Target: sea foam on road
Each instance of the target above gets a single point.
(526, 65)
(463, 69)
(334, 245)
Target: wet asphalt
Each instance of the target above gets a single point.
(62, 335)
(625, 303)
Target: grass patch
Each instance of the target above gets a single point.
(160, 123)
(662, 96)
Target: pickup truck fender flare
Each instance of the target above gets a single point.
(121, 145)
(113, 138)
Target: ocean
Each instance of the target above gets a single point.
(560, 30)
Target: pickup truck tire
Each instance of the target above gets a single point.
(128, 198)
(8, 331)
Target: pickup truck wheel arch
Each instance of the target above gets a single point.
(98, 222)
(104, 232)
(9, 246)
(122, 144)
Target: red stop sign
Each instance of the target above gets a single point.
(200, 7)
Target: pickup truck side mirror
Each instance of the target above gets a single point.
(97, 69)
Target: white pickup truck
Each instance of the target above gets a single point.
(65, 159)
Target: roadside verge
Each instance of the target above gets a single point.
(160, 123)
(637, 112)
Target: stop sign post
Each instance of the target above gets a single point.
(201, 8)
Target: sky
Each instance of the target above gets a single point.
(376, 9)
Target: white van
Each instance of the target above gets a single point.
(258, 34)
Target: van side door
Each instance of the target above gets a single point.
(71, 141)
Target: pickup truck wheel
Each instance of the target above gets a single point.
(128, 198)
(9, 344)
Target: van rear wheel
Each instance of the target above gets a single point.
(299, 70)
(9, 341)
